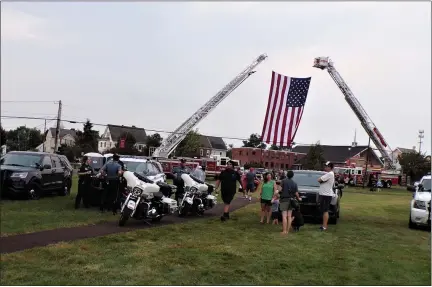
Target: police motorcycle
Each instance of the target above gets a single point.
(195, 198)
(144, 200)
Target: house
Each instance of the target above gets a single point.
(272, 159)
(344, 155)
(397, 152)
(112, 134)
(210, 146)
(66, 136)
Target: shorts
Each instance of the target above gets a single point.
(325, 201)
(250, 187)
(286, 205)
(275, 215)
(266, 202)
(227, 197)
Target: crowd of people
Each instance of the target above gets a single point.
(279, 198)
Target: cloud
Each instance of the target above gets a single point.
(20, 26)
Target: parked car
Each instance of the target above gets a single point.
(34, 174)
(420, 213)
(308, 186)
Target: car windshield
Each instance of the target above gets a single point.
(426, 185)
(307, 179)
(28, 160)
(96, 162)
(144, 168)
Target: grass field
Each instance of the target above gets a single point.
(371, 245)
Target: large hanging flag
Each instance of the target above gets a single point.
(285, 108)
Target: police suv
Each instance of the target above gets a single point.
(420, 213)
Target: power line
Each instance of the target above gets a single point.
(55, 102)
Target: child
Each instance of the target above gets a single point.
(275, 209)
(298, 220)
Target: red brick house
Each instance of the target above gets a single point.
(268, 158)
(345, 155)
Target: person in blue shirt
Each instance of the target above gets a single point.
(112, 171)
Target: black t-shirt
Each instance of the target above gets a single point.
(85, 168)
(289, 189)
(228, 179)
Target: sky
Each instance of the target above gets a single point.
(153, 65)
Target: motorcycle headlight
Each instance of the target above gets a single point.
(418, 204)
(137, 191)
(19, 174)
(193, 189)
(187, 188)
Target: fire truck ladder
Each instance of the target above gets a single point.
(370, 128)
(171, 142)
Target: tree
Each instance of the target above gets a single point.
(190, 145)
(23, 138)
(274, 147)
(314, 159)
(414, 164)
(3, 135)
(254, 141)
(229, 151)
(154, 140)
(88, 138)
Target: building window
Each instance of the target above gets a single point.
(266, 164)
(101, 144)
(220, 153)
(253, 152)
(271, 165)
(201, 152)
(104, 144)
(208, 152)
(240, 152)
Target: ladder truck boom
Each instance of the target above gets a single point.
(171, 142)
(367, 123)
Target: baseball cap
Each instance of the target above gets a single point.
(329, 164)
(183, 160)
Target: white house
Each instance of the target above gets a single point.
(66, 137)
(397, 152)
(112, 134)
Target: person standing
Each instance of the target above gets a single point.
(84, 183)
(250, 184)
(268, 189)
(227, 181)
(178, 181)
(326, 192)
(288, 194)
(112, 170)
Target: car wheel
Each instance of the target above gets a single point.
(34, 191)
(389, 184)
(411, 224)
(65, 189)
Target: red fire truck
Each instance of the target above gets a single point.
(355, 175)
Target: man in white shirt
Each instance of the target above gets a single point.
(326, 192)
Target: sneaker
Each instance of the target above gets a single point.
(223, 218)
(322, 228)
(250, 198)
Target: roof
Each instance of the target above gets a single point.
(93, 154)
(405, 150)
(334, 153)
(138, 133)
(217, 143)
(63, 132)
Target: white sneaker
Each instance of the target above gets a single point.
(250, 198)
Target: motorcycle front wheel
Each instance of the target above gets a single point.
(184, 209)
(124, 216)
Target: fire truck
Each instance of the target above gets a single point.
(355, 175)
(388, 175)
(213, 165)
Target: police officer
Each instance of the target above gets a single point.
(112, 170)
(84, 183)
(178, 181)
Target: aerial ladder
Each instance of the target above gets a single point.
(171, 142)
(370, 128)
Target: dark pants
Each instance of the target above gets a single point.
(83, 194)
(179, 192)
(110, 195)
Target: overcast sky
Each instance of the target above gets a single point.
(153, 64)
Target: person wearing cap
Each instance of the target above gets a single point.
(326, 192)
(227, 181)
(112, 170)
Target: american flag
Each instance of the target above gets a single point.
(285, 108)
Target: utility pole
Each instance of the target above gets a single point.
(44, 138)
(56, 141)
(420, 136)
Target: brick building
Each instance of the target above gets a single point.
(268, 158)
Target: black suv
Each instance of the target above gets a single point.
(308, 186)
(33, 174)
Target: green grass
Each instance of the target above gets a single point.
(371, 245)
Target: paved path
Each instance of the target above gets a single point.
(20, 242)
